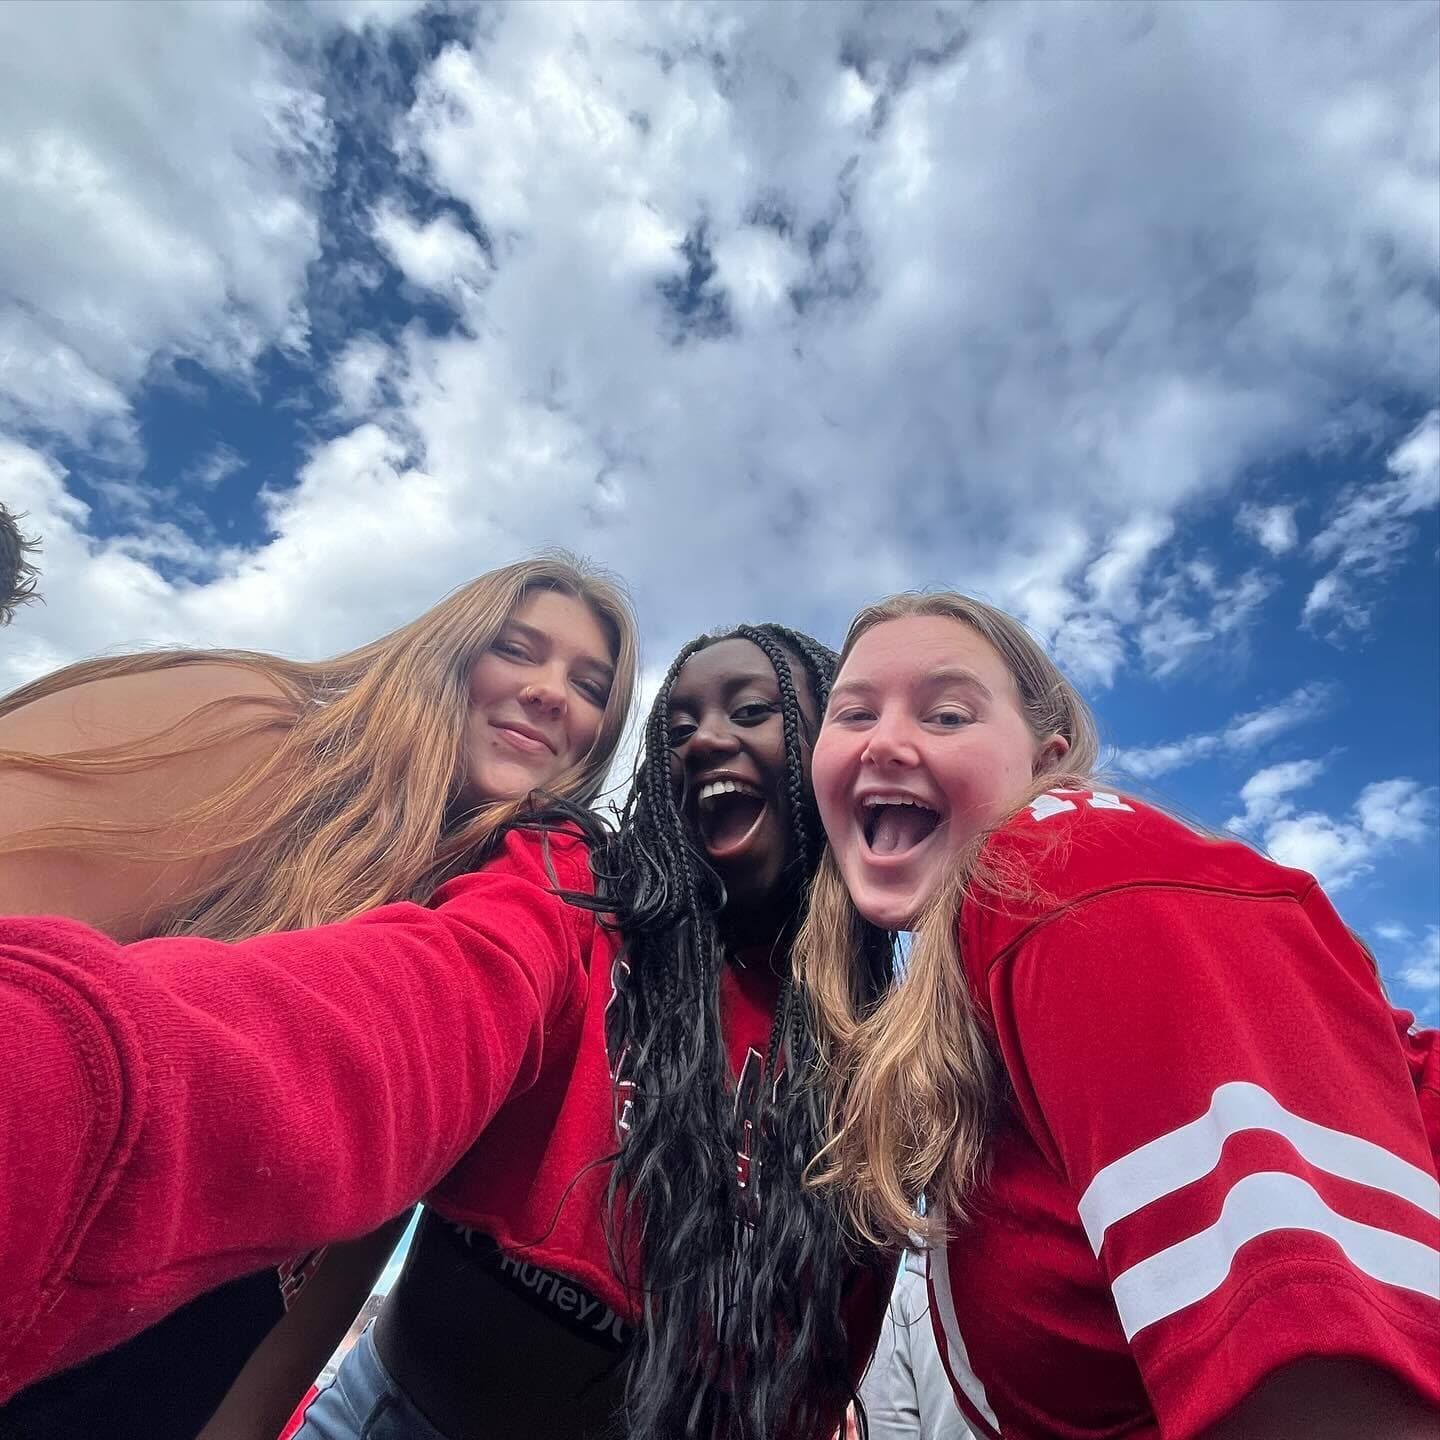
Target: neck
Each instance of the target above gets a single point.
(752, 939)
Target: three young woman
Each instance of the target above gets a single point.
(228, 796)
(1185, 1149)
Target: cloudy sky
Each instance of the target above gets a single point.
(1123, 315)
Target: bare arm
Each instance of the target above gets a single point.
(1327, 1399)
(126, 898)
(277, 1375)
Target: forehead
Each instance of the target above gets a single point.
(906, 651)
(565, 618)
(730, 663)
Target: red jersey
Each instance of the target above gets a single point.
(1219, 1156)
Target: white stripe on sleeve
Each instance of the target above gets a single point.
(957, 1355)
(1257, 1205)
(1184, 1155)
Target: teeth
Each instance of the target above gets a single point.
(871, 801)
(717, 788)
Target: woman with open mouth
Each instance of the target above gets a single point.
(1172, 1136)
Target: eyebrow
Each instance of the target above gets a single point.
(933, 680)
(540, 637)
(734, 683)
(957, 675)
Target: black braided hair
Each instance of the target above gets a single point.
(741, 1334)
(18, 573)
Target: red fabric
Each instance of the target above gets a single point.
(535, 1181)
(1206, 1071)
(192, 1111)
(298, 1418)
(196, 1111)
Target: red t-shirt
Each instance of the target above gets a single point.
(1220, 1153)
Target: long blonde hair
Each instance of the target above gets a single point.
(913, 1079)
(359, 804)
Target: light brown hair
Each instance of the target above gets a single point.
(359, 804)
(913, 1079)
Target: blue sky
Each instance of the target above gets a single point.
(1125, 316)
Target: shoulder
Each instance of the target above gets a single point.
(124, 709)
(552, 858)
(1070, 846)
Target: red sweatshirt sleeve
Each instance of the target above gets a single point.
(179, 1112)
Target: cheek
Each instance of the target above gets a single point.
(483, 683)
(586, 731)
(826, 776)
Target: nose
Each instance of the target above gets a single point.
(890, 744)
(545, 692)
(714, 736)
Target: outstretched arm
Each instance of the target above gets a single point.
(179, 1112)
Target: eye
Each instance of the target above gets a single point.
(594, 690)
(950, 719)
(510, 649)
(679, 733)
(849, 715)
(754, 711)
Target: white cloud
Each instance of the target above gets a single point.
(1302, 706)
(1244, 732)
(994, 296)
(158, 168)
(1419, 968)
(1265, 792)
(439, 255)
(1336, 850)
(1396, 810)
(1272, 526)
(216, 467)
(1413, 962)
(1372, 530)
(1154, 760)
(1173, 636)
(357, 375)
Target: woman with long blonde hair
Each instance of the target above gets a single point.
(1176, 1151)
(231, 795)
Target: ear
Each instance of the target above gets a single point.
(1050, 754)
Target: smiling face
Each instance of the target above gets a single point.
(537, 697)
(923, 746)
(727, 749)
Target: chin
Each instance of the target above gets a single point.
(888, 912)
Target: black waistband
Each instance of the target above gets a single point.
(484, 1343)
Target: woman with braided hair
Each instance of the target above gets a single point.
(630, 1249)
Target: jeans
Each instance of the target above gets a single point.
(364, 1403)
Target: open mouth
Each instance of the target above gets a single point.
(894, 825)
(728, 813)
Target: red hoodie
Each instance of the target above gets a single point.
(179, 1112)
